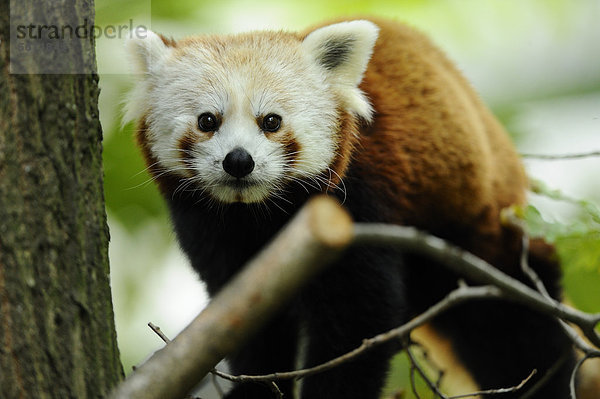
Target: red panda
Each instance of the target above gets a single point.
(240, 130)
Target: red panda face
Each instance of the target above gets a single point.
(240, 117)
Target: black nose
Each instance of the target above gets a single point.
(238, 163)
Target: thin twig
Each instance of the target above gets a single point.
(557, 157)
(198, 346)
(414, 365)
(548, 375)
(435, 388)
(519, 224)
(498, 391)
(158, 332)
(469, 265)
(572, 389)
(413, 382)
(312, 240)
(577, 340)
(461, 294)
(275, 389)
(167, 340)
(425, 355)
(268, 380)
(455, 297)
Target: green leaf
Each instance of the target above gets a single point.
(580, 250)
(577, 244)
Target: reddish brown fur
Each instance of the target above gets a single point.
(288, 141)
(186, 145)
(292, 149)
(348, 138)
(168, 41)
(446, 160)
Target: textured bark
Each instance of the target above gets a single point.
(57, 336)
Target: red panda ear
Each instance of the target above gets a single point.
(343, 51)
(145, 49)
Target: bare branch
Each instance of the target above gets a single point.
(517, 223)
(587, 356)
(414, 365)
(413, 382)
(468, 265)
(577, 340)
(459, 295)
(156, 329)
(158, 332)
(431, 364)
(434, 387)
(275, 389)
(563, 157)
(548, 375)
(498, 391)
(316, 235)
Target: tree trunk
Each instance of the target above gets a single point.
(57, 335)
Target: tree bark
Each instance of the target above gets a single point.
(57, 334)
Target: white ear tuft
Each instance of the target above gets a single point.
(146, 48)
(343, 49)
(146, 51)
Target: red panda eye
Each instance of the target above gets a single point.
(208, 122)
(271, 123)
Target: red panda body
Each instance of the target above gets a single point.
(239, 131)
(433, 150)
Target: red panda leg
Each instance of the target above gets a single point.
(357, 298)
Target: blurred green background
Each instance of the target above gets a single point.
(536, 63)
